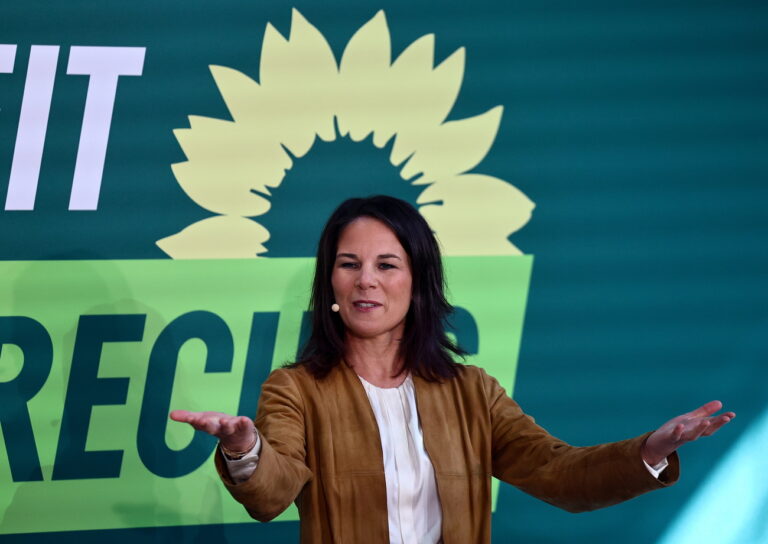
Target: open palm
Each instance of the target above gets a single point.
(236, 433)
(684, 428)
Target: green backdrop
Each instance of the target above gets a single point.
(637, 129)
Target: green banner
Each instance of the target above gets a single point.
(98, 352)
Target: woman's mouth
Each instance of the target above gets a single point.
(365, 305)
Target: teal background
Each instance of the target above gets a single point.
(638, 128)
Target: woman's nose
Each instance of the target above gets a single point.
(366, 279)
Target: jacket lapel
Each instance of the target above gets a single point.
(356, 435)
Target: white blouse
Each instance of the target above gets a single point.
(413, 507)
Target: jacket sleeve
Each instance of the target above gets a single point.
(576, 479)
(281, 472)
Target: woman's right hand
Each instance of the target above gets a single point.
(236, 433)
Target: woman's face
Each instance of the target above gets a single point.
(371, 279)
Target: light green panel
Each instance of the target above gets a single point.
(492, 289)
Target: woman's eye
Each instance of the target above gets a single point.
(348, 265)
(386, 266)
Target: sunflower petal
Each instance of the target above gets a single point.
(399, 103)
(245, 99)
(319, 78)
(364, 72)
(226, 165)
(449, 149)
(427, 94)
(446, 83)
(300, 79)
(221, 237)
(424, 100)
(477, 215)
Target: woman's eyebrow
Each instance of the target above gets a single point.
(382, 256)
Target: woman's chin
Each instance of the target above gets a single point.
(371, 331)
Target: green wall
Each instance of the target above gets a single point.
(638, 130)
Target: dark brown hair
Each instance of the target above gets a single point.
(425, 349)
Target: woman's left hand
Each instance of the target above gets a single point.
(685, 428)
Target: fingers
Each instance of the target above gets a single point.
(180, 415)
(677, 432)
(717, 422)
(686, 428)
(707, 409)
(207, 424)
(703, 414)
(199, 420)
(214, 423)
(231, 425)
(227, 425)
(237, 434)
(698, 429)
(244, 424)
(703, 426)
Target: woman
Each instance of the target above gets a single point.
(379, 436)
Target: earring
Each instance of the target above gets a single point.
(335, 307)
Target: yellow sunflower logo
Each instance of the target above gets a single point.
(304, 94)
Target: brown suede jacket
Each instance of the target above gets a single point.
(321, 448)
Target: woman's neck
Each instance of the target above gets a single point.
(376, 360)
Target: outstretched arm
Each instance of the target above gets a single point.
(281, 472)
(576, 479)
